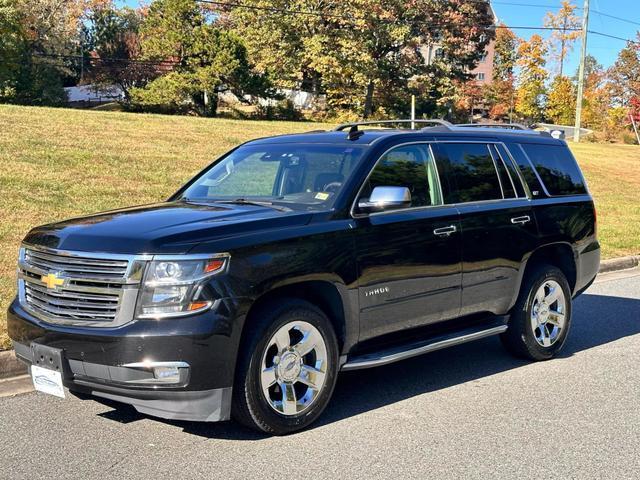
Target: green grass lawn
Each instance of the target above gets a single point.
(57, 163)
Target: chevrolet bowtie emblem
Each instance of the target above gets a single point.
(52, 280)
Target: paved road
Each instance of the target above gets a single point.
(471, 411)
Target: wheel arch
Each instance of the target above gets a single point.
(331, 297)
(560, 255)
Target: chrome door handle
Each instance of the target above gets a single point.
(521, 220)
(445, 231)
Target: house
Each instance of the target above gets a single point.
(483, 72)
(90, 95)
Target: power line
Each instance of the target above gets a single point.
(108, 59)
(632, 22)
(634, 42)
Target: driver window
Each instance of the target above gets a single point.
(410, 166)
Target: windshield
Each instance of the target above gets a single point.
(294, 175)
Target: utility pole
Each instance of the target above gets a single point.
(583, 55)
(413, 112)
(635, 129)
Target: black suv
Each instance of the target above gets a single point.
(292, 258)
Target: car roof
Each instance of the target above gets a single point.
(371, 136)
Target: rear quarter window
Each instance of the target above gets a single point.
(556, 168)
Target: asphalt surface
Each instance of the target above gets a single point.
(471, 411)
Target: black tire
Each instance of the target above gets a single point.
(250, 407)
(520, 337)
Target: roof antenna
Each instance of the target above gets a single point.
(354, 133)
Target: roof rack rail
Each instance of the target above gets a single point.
(437, 121)
(354, 133)
(511, 126)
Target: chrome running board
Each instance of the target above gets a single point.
(414, 349)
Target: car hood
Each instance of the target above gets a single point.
(163, 228)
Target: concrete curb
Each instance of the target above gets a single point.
(10, 366)
(621, 263)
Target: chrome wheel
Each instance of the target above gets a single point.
(293, 368)
(548, 313)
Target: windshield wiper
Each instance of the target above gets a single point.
(244, 201)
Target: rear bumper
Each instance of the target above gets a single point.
(587, 266)
(98, 362)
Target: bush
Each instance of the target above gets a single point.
(167, 94)
(282, 110)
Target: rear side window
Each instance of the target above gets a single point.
(557, 169)
(474, 174)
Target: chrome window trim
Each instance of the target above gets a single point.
(528, 196)
(428, 143)
(544, 187)
(496, 158)
(516, 168)
(492, 142)
(495, 167)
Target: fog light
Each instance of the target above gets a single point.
(160, 373)
(167, 374)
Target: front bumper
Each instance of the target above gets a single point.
(99, 362)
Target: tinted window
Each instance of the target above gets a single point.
(296, 175)
(525, 169)
(410, 166)
(474, 173)
(557, 169)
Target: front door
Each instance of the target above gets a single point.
(409, 260)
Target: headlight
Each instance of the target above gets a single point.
(172, 287)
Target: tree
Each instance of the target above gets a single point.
(561, 101)
(115, 55)
(499, 95)
(566, 23)
(597, 95)
(12, 48)
(367, 56)
(36, 39)
(531, 84)
(625, 74)
(204, 59)
(504, 59)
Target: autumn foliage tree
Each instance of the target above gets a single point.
(203, 60)
(625, 73)
(565, 24)
(561, 101)
(499, 96)
(115, 58)
(531, 84)
(365, 55)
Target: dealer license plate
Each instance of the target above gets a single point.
(47, 381)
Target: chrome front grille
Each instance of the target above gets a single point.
(80, 267)
(72, 304)
(79, 288)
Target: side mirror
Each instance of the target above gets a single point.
(385, 198)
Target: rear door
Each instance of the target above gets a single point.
(409, 259)
(497, 222)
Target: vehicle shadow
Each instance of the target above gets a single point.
(597, 320)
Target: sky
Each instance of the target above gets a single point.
(530, 13)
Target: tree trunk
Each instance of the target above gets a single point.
(562, 44)
(368, 101)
